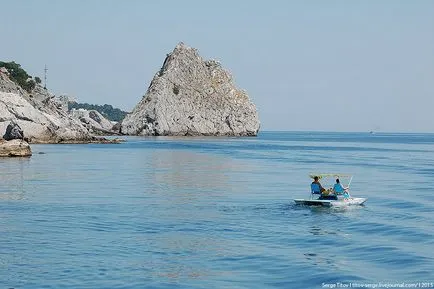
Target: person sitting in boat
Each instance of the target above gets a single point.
(338, 189)
(317, 188)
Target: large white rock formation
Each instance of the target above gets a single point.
(191, 96)
(38, 114)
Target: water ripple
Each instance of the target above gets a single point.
(216, 213)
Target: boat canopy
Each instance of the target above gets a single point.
(336, 175)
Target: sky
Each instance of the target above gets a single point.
(307, 65)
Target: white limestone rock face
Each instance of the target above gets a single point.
(38, 114)
(190, 97)
(93, 120)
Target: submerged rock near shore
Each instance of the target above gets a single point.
(190, 97)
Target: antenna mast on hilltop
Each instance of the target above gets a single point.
(45, 77)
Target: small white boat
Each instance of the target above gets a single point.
(329, 203)
(324, 199)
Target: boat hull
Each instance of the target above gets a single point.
(331, 203)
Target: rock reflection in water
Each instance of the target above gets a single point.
(187, 175)
(12, 178)
(182, 186)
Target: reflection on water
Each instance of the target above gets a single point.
(187, 183)
(187, 170)
(318, 260)
(175, 213)
(181, 254)
(317, 231)
(12, 171)
(12, 196)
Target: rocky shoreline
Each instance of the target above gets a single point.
(14, 148)
(15, 144)
(188, 96)
(40, 117)
(93, 140)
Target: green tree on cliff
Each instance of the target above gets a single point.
(19, 75)
(108, 111)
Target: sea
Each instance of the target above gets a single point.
(219, 212)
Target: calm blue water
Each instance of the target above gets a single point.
(217, 213)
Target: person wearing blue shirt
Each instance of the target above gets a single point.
(317, 188)
(339, 189)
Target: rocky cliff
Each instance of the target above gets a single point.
(93, 121)
(190, 96)
(38, 114)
